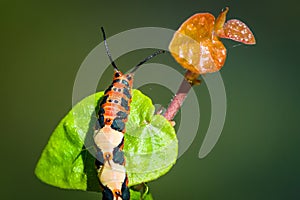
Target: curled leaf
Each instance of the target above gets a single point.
(238, 31)
(196, 46)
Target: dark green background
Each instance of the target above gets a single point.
(43, 44)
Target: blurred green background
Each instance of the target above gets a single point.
(43, 44)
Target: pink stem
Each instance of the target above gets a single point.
(185, 86)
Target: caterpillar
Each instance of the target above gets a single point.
(114, 109)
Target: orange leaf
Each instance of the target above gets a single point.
(196, 47)
(238, 31)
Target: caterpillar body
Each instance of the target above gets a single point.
(110, 129)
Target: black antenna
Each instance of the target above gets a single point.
(146, 59)
(107, 51)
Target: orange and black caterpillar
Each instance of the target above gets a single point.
(110, 129)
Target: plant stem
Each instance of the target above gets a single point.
(189, 80)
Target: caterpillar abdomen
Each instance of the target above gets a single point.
(115, 106)
(109, 138)
(110, 129)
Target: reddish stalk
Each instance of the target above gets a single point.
(189, 80)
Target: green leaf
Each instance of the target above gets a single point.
(150, 143)
(134, 195)
(140, 192)
(150, 146)
(64, 162)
